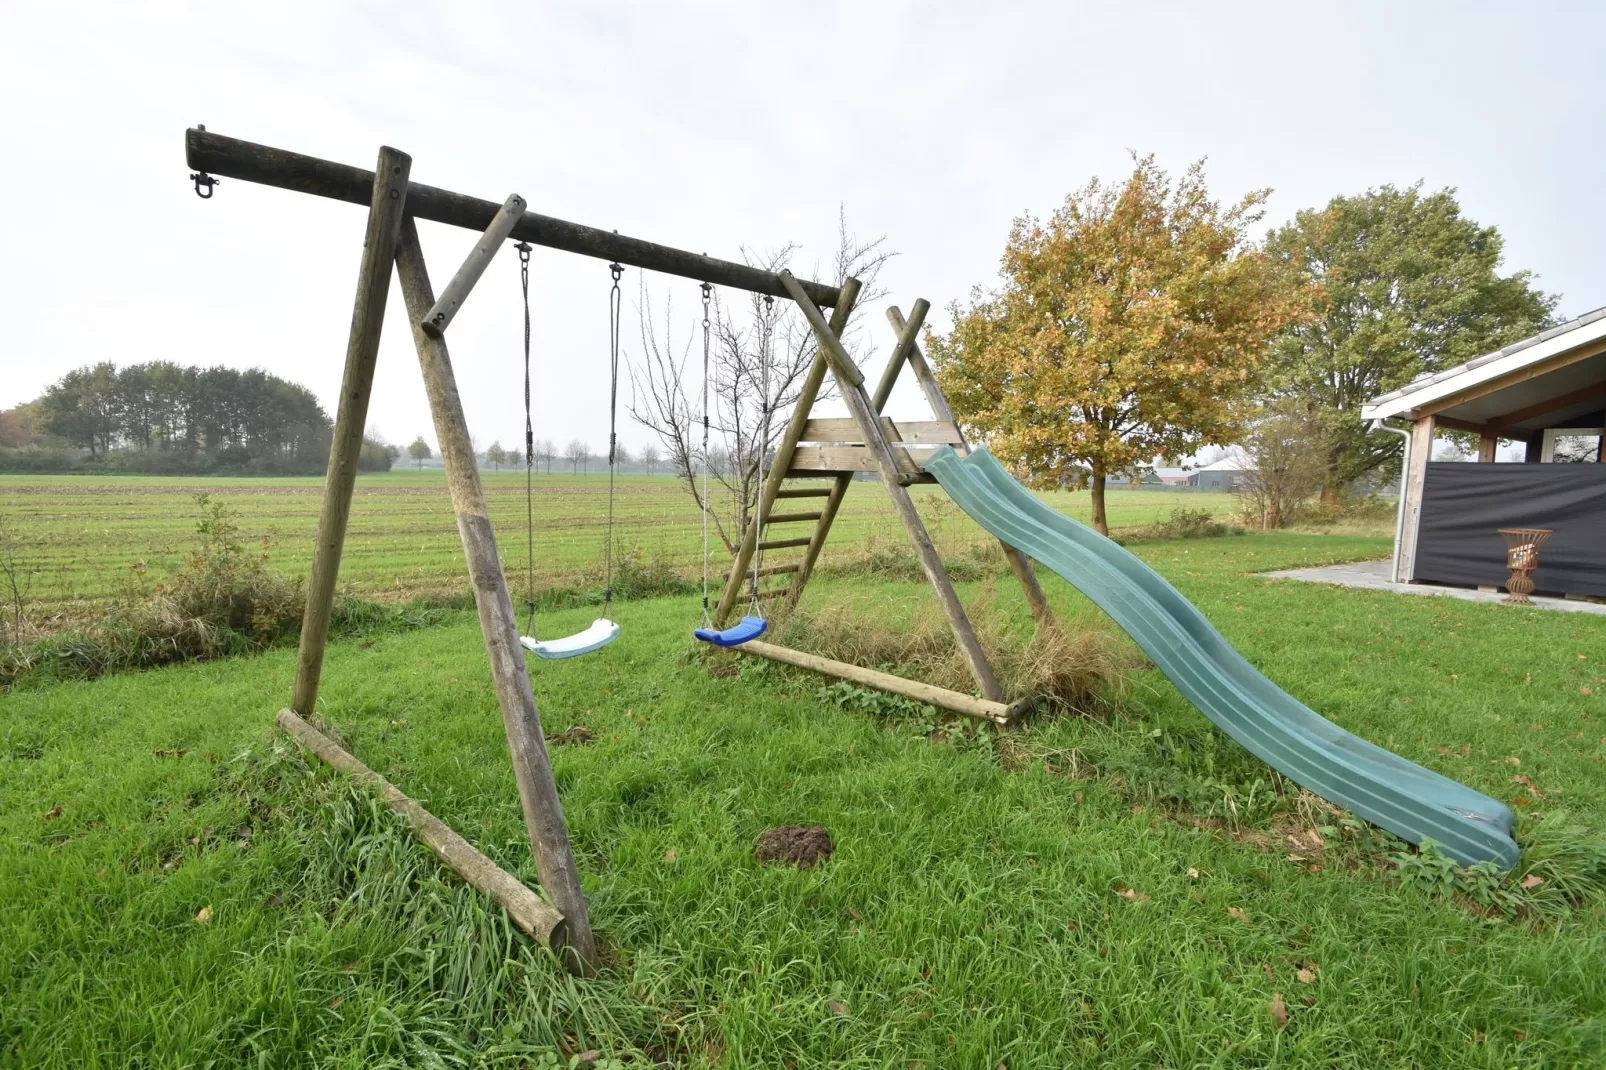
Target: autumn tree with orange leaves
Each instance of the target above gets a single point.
(1131, 324)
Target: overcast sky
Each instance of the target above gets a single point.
(712, 127)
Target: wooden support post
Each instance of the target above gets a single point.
(843, 483)
(479, 258)
(1415, 477)
(997, 712)
(784, 449)
(1019, 563)
(1486, 448)
(875, 440)
(385, 213)
(538, 793)
(531, 915)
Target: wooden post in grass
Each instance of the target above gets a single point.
(538, 793)
(531, 915)
(1019, 563)
(875, 441)
(385, 212)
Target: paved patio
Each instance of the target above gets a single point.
(1373, 575)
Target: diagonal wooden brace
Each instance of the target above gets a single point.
(875, 440)
(479, 258)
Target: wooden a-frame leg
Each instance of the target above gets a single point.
(886, 464)
(839, 489)
(385, 213)
(1019, 563)
(783, 456)
(538, 792)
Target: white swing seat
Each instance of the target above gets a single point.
(602, 632)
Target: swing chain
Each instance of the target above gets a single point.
(615, 308)
(763, 445)
(708, 294)
(529, 450)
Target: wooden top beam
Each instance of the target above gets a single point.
(228, 157)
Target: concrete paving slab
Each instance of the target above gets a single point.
(1374, 576)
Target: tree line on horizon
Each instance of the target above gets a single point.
(164, 417)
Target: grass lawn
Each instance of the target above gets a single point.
(1114, 890)
(77, 537)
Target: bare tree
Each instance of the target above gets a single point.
(759, 354)
(650, 458)
(576, 453)
(1287, 449)
(545, 450)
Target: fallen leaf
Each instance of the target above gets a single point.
(1533, 789)
(1520, 1035)
(55, 812)
(1521, 800)
(1239, 913)
(1078, 795)
(1131, 895)
(854, 914)
(1305, 977)
(1512, 759)
(838, 1008)
(669, 857)
(204, 915)
(1279, 1009)
(1532, 880)
(1585, 691)
(337, 1001)
(587, 1058)
(1265, 968)
(1194, 873)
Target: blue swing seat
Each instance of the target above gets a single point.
(743, 631)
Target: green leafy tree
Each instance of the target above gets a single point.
(496, 455)
(85, 408)
(420, 452)
(1408, 285)
(1129, 324)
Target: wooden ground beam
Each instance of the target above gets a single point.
(1019, 563)
(876, 441)
(955, 701)
(530, 914)
(538, 792)
(385, 212)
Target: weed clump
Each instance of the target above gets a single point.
(223, 601)
(1069, 668)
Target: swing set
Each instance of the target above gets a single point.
(814, 460)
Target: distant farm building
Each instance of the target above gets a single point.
(1230, 473)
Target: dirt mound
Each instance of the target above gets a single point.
(805, 846)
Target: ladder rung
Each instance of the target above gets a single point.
(776, 593)
(769, 570)
(782, 544)
(803, 492)
(791, 518)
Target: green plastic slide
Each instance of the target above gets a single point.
(1378, 785)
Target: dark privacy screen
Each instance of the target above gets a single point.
(1465, 504)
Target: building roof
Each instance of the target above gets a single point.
(1512, 387)
(1232, 462)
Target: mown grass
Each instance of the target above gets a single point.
(77, 538)
(1110, 890)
